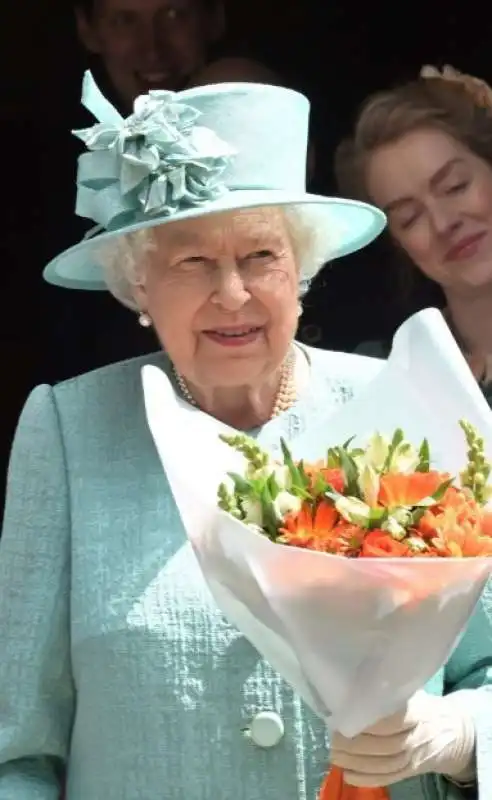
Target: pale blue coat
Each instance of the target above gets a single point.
(114, 659)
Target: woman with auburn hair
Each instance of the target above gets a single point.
(422, 152)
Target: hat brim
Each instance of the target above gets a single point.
(348, 226)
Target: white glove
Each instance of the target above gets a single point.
(432, 734)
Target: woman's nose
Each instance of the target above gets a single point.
(231, 292)
(445, 220)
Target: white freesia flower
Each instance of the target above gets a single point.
(286, 503)
(376, 452)
(405, 458)
(369, 485)
(253, 512)
(353, 510)
(280, 471)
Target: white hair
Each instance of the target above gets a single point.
(123, 259)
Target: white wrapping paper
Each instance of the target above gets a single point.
(355, 637)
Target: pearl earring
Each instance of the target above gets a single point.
(299, 309)
(144, 320)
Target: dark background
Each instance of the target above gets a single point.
(336, 52)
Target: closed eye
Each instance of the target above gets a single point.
(259, 255)
(195, 260)
(405, 224)
(458, 187)
(193, 264)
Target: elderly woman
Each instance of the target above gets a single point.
(423, 153)
(116, 668)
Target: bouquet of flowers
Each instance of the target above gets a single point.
(381, 500)
(335, 561)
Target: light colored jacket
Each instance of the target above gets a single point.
(114, 660)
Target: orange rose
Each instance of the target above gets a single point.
(380, 544)
(334, 476)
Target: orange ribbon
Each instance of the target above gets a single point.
(334, 788)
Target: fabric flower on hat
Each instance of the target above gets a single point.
(477, 88)
(157, 161)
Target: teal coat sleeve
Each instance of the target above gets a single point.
(36, 689)
(470, 667)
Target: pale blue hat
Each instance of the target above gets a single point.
(202, 151)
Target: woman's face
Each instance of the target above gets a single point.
(438, 198)
(222, 292)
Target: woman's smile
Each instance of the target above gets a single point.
(234, 335)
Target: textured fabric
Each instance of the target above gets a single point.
(114, 658)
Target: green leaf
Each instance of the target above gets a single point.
(441, 490)
(320, 486)
(378, 516)
(295, 474)
(358, 451)
(241, 485)
(303, 494)
(272, 486)
(333, 458)
(270, 522)
(303, 476)
(424, 457)
(398, 438)
(417, 515)
(351, 473)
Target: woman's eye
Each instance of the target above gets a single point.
(194, 260)
(405, 224)
(259, 255)
(192, 263)
(458, 187)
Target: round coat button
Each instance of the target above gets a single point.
(266, 729)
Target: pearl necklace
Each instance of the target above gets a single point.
(286, 395)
